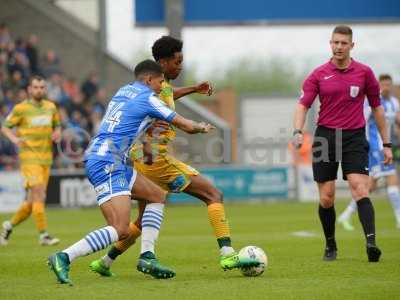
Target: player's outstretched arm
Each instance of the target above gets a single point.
(204, 88)
(379, 115)
(191, 126)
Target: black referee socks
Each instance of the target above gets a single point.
(328, 219)
(367, 218)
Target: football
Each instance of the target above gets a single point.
(258, 254)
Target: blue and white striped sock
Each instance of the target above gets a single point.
(93, 242)
(393, 193)
(151, 223)
(350, 209)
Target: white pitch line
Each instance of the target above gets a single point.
(303, 233)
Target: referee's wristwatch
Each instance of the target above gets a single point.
(387, 145)
(296, 131)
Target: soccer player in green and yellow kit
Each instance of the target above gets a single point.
(37, 124)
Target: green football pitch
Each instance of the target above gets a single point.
(289, 232)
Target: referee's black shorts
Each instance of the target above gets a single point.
(331, 146)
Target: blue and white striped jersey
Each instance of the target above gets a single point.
(391, 107)
(130, 112)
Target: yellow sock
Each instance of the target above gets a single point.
(39, 215)
(216, 215)
(134, 233)
(23, 212)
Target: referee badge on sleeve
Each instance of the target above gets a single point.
(354, 91)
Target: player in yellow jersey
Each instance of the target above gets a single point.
(154, 161)
(37, 125)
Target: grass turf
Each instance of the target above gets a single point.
(295, 270)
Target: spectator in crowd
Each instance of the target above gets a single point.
(71, 87)
(55, 90)
(19, 62)
(32, 53)
(15, 82)
(2, 82)
(90, 86)
(20, 46)
(50, 64)
(21, 95)
(101, 100)
(9, 100)
(3, 61)
(5, 36)
(8, 157)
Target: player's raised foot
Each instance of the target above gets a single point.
(330, 254)
(373, 253)
(5, 233)
(46, 240)
(346, 225)
(59, 264)
(148, 264)
(234, 261)
(98, 267)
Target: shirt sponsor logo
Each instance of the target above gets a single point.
(301, 94)
(41, 121)
(327, 77)
(354, 90)
(101, 189)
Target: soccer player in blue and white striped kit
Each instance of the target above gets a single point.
(130, 112)
(376, 167)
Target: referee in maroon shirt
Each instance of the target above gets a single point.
(342, 85)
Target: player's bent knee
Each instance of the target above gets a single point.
(122, 231)
(359, 190)
(217, 196)
(327, 199)
(158, 196)
(38, 192)
(211, 195)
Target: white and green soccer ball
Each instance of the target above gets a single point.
(255, 253)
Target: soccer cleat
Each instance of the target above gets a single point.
(234, 261)
(46, 240)
(330, 254)
(98, 267)
(346, 225)
(148, 264)
(373, 253)
(59, 264)
(5, 233)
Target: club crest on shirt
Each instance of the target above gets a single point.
(354, 90)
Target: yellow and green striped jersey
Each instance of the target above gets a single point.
(160, 142)
(34, 124)
(167, 96)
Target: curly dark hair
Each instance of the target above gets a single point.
(166, 47)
